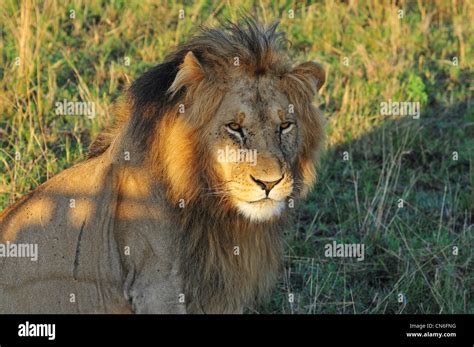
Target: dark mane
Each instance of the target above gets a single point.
(150, 98)
(258, 48)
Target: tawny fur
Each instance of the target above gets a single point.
(170, 152)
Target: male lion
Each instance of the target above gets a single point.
(157, 220)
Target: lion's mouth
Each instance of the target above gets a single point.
(262, 209)
(263, 200)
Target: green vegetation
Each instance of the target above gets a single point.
(371, 56)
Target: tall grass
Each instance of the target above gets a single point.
(91, 50)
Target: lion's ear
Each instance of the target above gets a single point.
(190, 72)
(309, 76)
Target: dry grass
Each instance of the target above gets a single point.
(48, 56)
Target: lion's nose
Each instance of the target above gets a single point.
(266, 185)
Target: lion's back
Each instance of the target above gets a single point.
(51, 255)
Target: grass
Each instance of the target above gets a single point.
(371, 55)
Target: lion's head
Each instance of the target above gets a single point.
(228, 118)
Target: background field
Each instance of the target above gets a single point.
(46, 57)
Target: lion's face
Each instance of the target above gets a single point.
(255, 142)
(262, 146)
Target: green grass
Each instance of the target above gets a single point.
(46, 57)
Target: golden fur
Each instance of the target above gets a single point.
(226, 260)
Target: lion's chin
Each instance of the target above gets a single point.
(262, 210)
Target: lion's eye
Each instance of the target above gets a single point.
(286, 127)
(234, 126)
